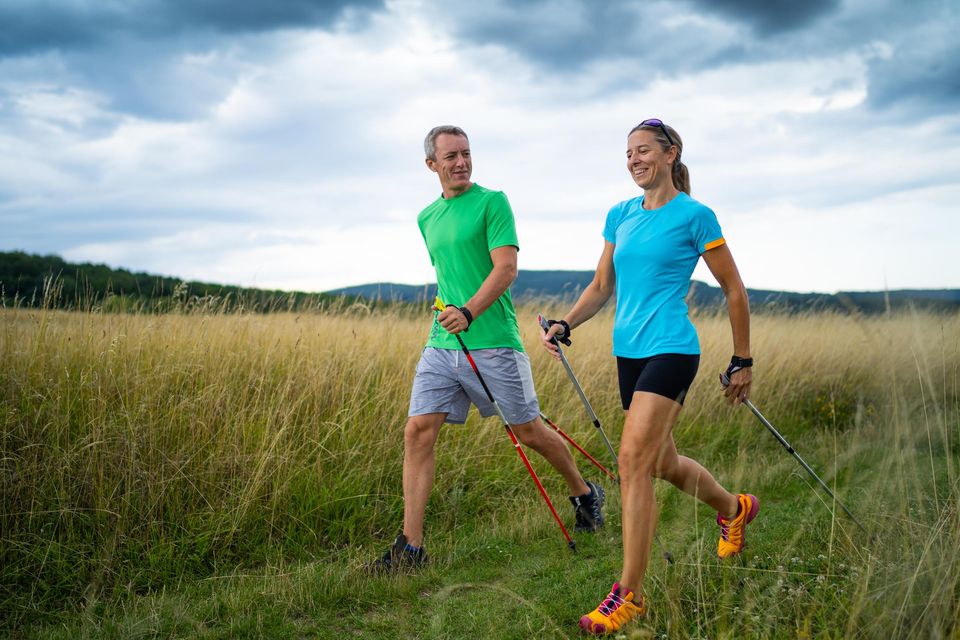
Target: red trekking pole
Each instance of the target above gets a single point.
(440, 306)
(576, 446)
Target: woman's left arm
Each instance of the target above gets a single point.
(720, 262)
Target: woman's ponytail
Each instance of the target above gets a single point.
(681, 176)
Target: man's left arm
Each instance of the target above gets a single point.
(499, 280)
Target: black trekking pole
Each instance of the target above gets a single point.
(440, 306)
(583, 397)
(725, 380)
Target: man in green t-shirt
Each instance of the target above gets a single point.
(472, 241)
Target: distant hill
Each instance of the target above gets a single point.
(32, 280)
(532, 285)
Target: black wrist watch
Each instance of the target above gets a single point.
(741, 363)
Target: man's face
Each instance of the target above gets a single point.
(453, 164)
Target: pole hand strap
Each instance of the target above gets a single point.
(565, 338)
(736, 364)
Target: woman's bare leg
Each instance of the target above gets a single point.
(647, 450)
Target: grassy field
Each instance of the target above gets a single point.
(203, 475)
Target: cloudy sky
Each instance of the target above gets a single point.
(279, 143)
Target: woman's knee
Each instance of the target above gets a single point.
(648, 457)
(665, 468)
(636, 459)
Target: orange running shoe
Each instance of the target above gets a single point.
(731, 531)
(617, 609)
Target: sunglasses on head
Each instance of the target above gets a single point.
(657, 122)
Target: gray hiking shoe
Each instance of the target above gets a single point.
(399, 557)
(589, 508)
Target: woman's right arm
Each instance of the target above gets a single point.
(591, 300)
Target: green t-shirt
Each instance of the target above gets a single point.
(460, 234)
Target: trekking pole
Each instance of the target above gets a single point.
(596, 422)
(578, 447)
(724, 380)
(440, 306)
(576, 383)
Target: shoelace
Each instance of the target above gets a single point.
(611, 603)
(725, 531)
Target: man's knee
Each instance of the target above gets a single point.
(421, 431)
(532, 434)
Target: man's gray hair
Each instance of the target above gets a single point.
(430, 142)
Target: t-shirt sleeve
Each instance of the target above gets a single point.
(501, 228)
(425, 243)
(613, 221)
(705, 229)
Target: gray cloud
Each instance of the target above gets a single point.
(137, 53)
(553, 32)
(563, 34)
(659, 38)
(31, 26)
(923, 67)
(913, 78)
(770, 17)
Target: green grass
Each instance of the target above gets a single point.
(229, 476)
(510, 576)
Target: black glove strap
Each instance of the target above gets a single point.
(737, 363)
(566, 331)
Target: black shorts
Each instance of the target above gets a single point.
(666, 374)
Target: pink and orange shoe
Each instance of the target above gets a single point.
(731, 531)
(617, 609)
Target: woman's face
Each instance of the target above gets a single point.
(649, 165)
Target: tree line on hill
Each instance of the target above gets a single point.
(50, 281)
(33, 281)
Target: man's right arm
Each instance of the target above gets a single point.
(499, 279)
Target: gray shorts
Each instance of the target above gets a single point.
(445, 383)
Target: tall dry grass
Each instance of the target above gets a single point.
(136, 450)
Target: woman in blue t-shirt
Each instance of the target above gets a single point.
(651, 245)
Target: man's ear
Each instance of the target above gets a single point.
(431, 164)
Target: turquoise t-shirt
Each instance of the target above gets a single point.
(460, 233)
(655, 254)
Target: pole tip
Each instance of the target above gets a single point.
(573, 546)
(668, 557)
